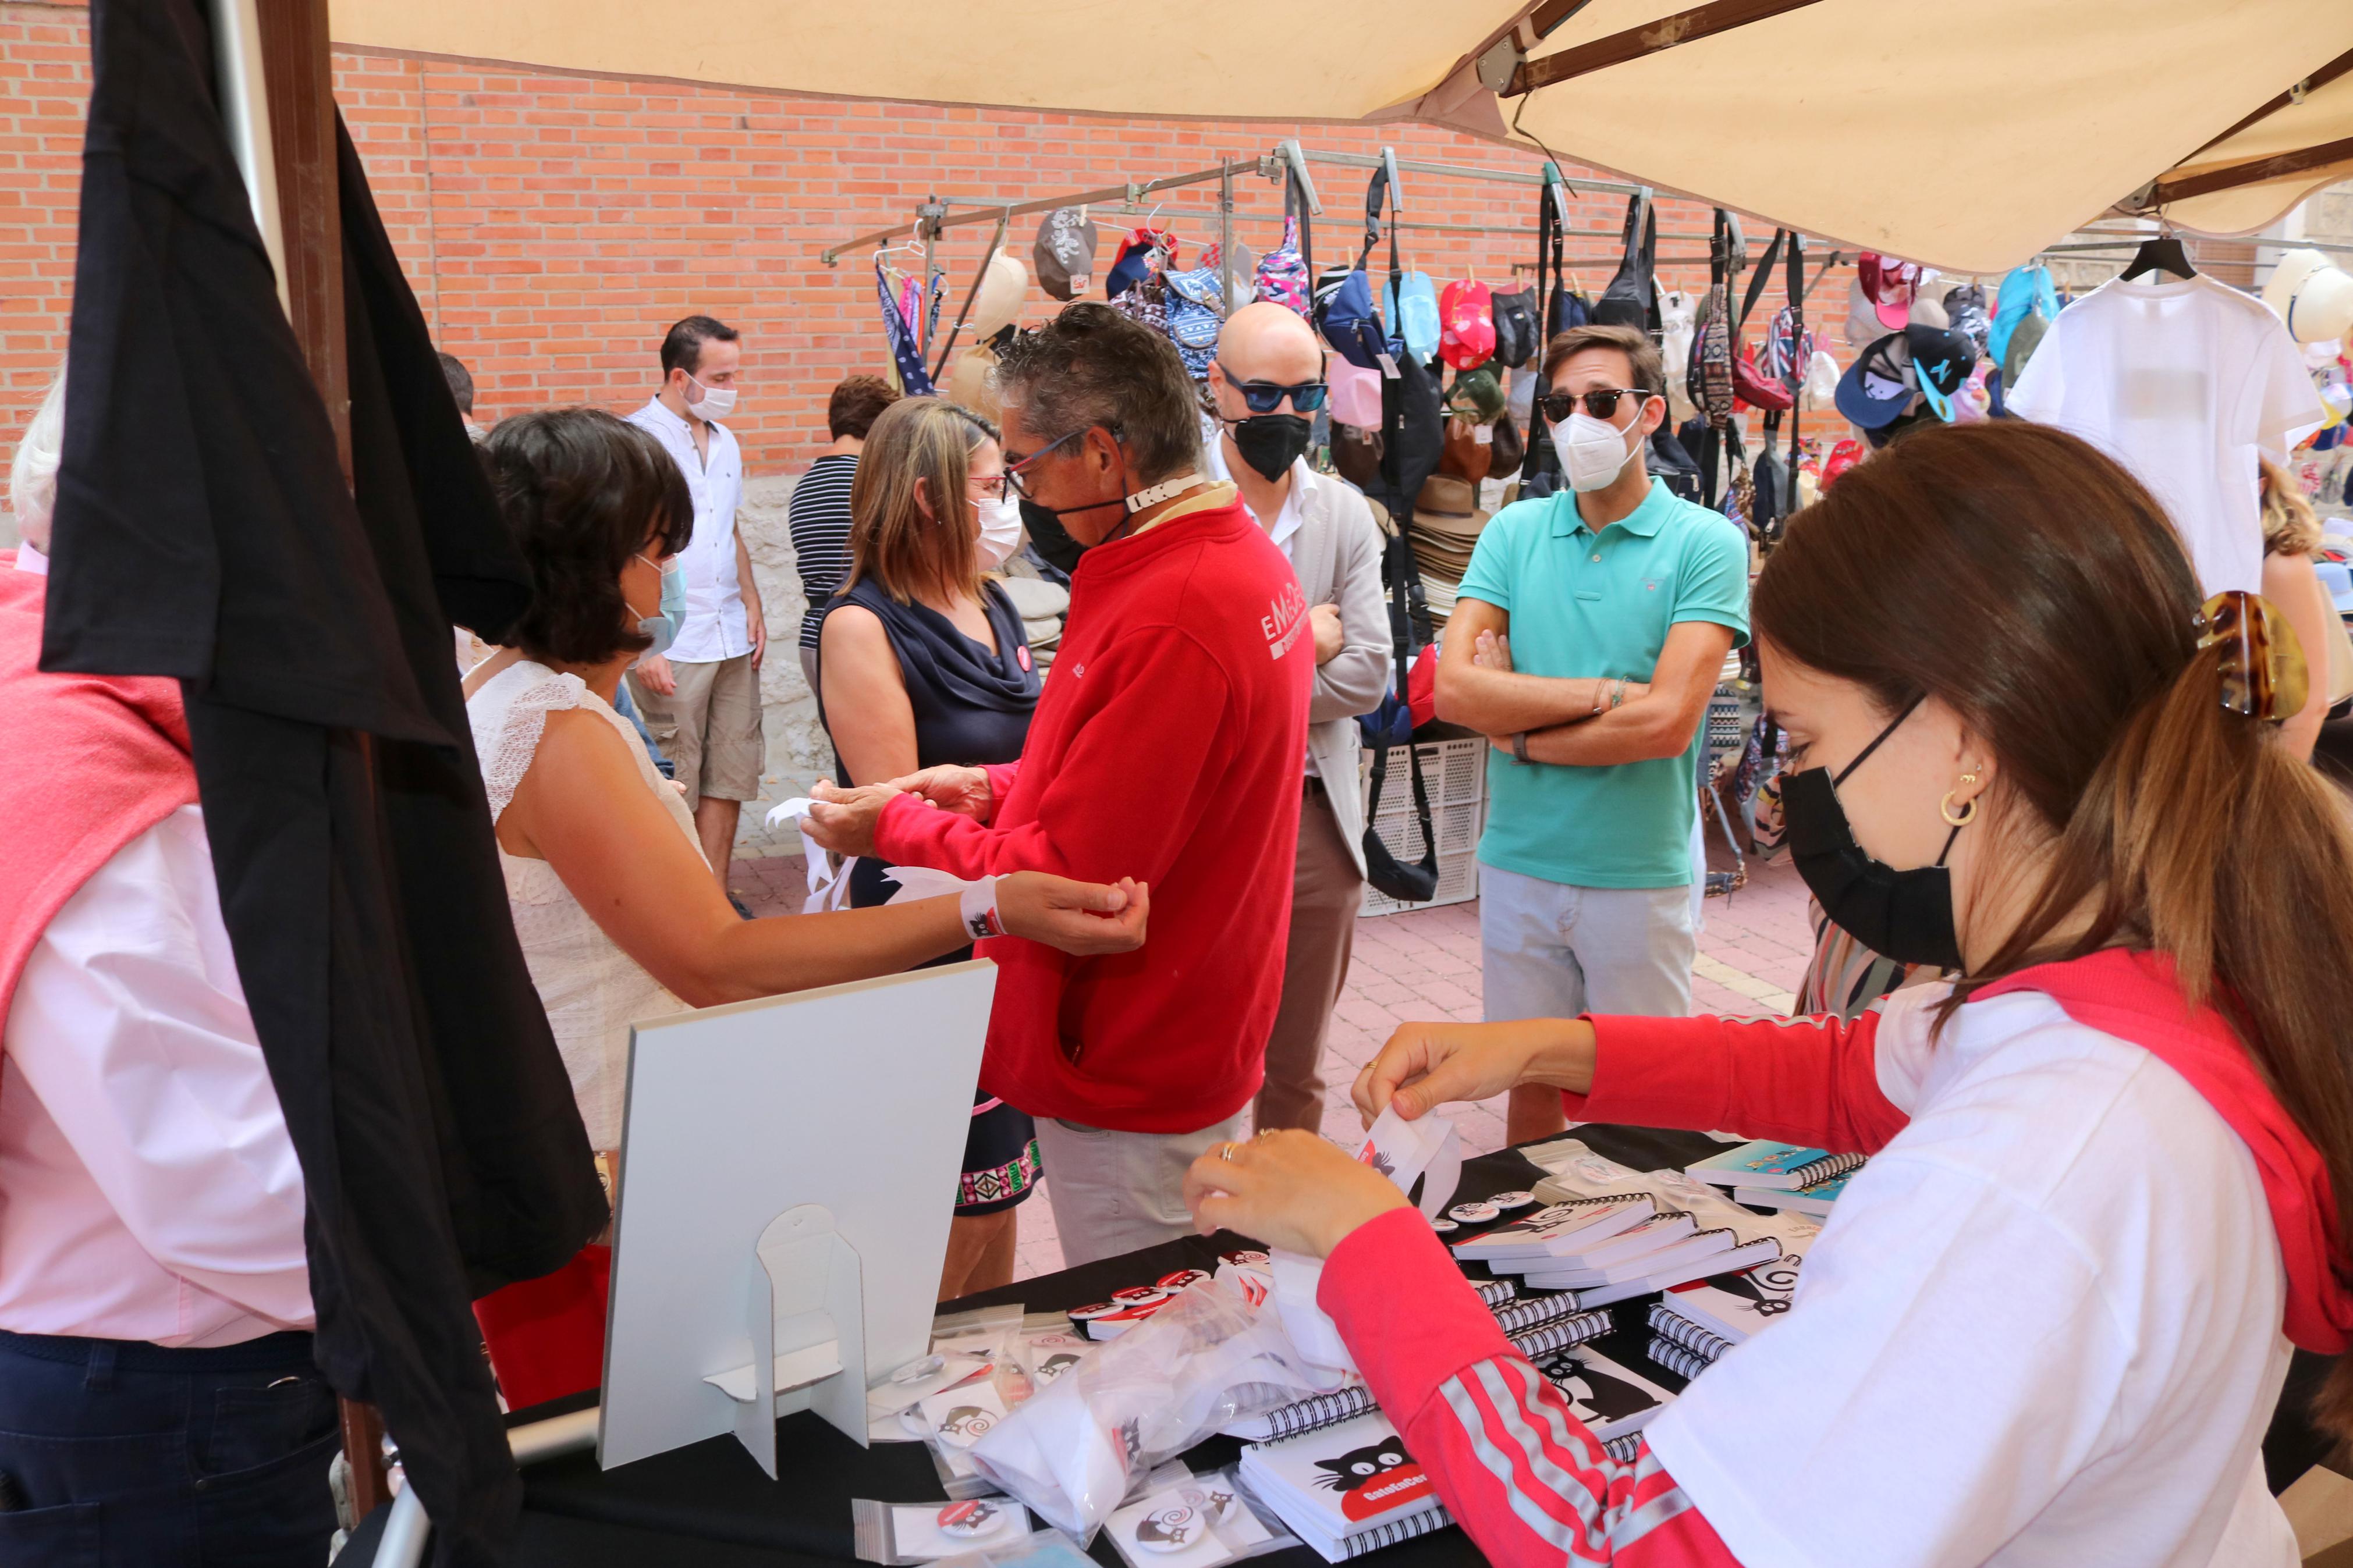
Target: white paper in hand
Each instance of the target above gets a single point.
(1429, 1148)
(791, 810)
(923, 882)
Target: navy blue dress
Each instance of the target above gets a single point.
(972, 706)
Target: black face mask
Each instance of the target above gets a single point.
(1904, 915)
(1050, 538)
(1270, 443)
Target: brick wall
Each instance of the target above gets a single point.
(554, 226)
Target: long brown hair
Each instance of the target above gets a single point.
(2032, 585)
(891, 540)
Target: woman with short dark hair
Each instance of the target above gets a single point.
(923, 662)
(817, 517)
(618, 915)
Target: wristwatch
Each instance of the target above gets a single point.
(1520, 745)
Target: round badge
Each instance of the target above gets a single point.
(1244, 1259)
(1474, 1214)
(1170, 1528)
(1099, 1309)
(1172, 1283)
(1441, 1224)
(974, 1517)
(1217, 1507)
(1139, 1295)
(1509, 1201)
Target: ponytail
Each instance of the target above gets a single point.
(2030, 583)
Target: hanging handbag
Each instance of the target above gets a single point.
(1750, 384)
(1632, 298)
(1515, 330)
(1509, 452)
(1390, 725)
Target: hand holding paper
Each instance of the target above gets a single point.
(842, 820)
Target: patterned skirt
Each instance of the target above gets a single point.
(1001, 1159)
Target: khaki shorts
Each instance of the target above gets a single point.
(710, 729)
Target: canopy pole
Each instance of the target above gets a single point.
(297, 75)
(1225, 235)
(971, 294)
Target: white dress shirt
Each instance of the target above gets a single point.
(148, 1188)
(714, 627)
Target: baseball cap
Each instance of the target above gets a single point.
(1933, 361)
(2024, 337)
(1965, 309)
(1065, 253)
(1889, 284)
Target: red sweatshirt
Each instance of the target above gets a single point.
(1166, 747)
(1528, 1480)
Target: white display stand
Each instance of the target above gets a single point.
(789, 1171)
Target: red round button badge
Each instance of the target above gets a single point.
(1022, 654)
(1139, 1295)
(1172, 1283)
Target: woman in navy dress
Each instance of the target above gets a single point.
(922, 661)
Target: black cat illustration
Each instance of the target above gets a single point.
(1768, 1285)
(1174, 1525)
(1594, 1396)
(1352, 1469)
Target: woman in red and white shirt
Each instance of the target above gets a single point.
(2050, 1322)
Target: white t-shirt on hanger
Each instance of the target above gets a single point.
(2182, 382)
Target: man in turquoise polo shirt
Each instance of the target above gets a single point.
(1587, 637)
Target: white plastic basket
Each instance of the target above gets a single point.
(1454, 775)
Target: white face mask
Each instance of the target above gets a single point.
(1592, 451)
(1000, 531)
(709, 401)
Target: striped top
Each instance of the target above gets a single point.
(819, 518)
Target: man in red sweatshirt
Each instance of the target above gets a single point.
(1166, 747)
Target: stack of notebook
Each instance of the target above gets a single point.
(1697, 1323)
(1781, 1175)
(1613, 1248)
(1614, 1402)
(1345, 1488)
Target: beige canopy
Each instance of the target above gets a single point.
(1966, 136)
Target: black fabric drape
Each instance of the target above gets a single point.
(204, 531)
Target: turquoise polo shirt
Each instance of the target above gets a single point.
(1584, 604)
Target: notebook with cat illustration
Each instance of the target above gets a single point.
(1613, 1402)
(1557, 1231)
(1345, 1489)
(1773, 1165)
(1739, 1305)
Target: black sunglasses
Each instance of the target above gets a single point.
(1603, 405)
(1265, 396)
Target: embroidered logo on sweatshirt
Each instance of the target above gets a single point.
(1285, 618)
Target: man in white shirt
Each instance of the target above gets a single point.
(1268, 364)
(158, 1401)
(703, 701)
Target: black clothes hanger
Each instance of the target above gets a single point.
(2163, 251)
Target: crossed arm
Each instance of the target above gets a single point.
(1655, 718)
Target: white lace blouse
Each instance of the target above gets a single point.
(592, 990)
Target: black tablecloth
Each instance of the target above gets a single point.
(709, 1505)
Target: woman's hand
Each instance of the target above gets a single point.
(1288, 1189)
(963, 791)
(1083, 918)
(1429, 1065)
(842, 820)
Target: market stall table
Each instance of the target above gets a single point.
(708, 1506)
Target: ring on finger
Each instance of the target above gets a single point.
(1226, 1150)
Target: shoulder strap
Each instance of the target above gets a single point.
(1764, 276)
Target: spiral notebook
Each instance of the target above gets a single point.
(1814, 1199)
(1613, 1401)
(1683, 1362)
(1767, 1166)
(1736, 1306)
(1345, 1489)
(1539, 1326)
(1694, 1339)
(1557, 1231)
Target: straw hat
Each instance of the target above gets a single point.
(1004, 284)
(2314, 297)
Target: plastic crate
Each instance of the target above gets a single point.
(1454, 777)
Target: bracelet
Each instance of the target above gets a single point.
(1520, 745)
(1600, 693)
(978, 905)
(1617, 692)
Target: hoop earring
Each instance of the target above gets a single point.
(1969, 809)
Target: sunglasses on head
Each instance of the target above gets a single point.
(1265, 396)
(1602, 405)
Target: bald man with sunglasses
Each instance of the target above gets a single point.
(1267, 383)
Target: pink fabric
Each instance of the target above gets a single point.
(91, 763)
(1813, 1081)
(1531, 1483)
